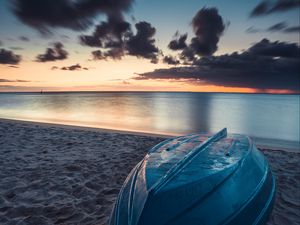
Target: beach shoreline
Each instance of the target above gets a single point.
(87, 128)
(61, 174)
(264, 143)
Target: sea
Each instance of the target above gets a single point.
(269, 118)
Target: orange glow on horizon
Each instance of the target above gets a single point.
(104, 76)
(136, 86)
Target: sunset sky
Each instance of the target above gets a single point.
(217, 45)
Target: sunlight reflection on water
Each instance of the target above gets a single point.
(267, 116)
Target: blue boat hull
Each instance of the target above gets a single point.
(198, 179)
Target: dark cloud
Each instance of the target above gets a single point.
(114, 53)
(187, 55)
(8, 57)
(98, 55)
(154, 60)
(275, 49)
(178, 43)
(284, 5)
(260, 9)
(1, 43)
(76, 15)
(267, 7)
(76, 67)
(109, 35)
(107, 32)
(53, 54)
(142, 43)
(208, 27)
(266, 65)
(90, 40)
(277, 27)
(8, 81)
(170, 60)
(117, 40)
(23, 38)
(295, 29)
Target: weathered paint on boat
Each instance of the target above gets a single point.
(198, 179)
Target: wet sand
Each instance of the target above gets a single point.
(52, 174)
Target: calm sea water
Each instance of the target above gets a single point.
(257, 115)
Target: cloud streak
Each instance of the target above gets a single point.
(76, 15)
(75, 67)
(294, 29)
(278, 27)
(267, 7)
(9, 81)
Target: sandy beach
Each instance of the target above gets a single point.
(51, 174)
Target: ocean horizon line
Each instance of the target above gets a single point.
(202, 92)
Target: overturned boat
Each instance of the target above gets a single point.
(198, 179)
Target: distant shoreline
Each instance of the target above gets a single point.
(265, 143)
(75, 92)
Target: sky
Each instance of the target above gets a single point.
(170, 45)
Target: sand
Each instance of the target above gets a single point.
(51, 174)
